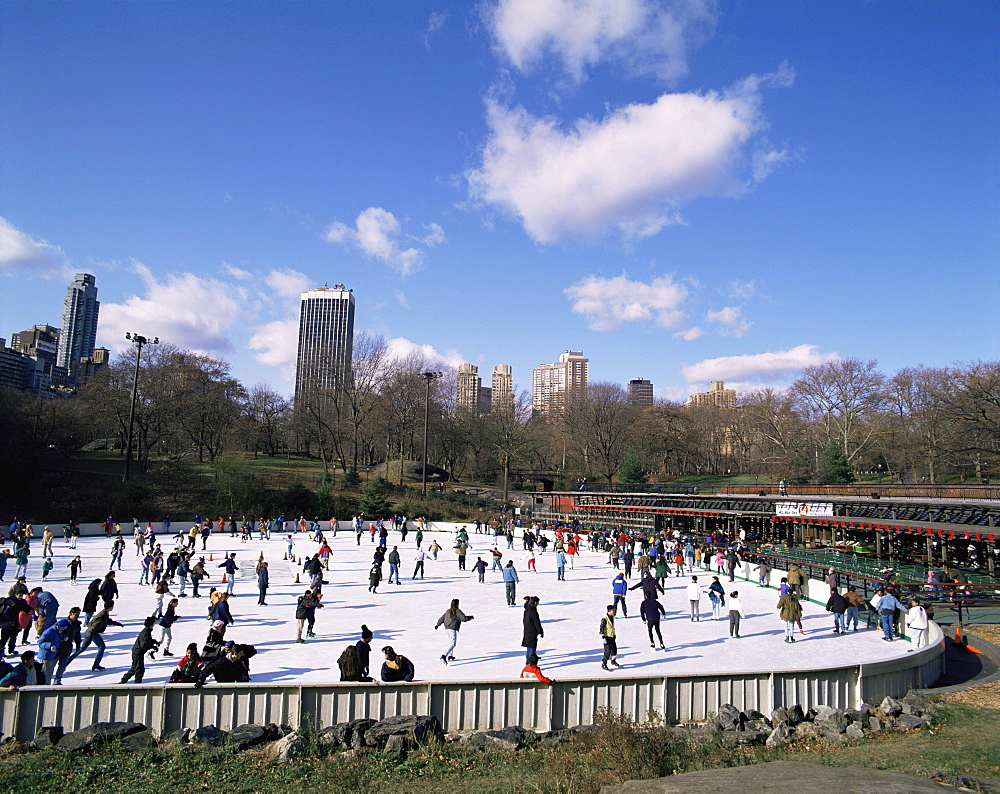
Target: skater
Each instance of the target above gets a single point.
(418, 563)
(610, 641)
(650, 611)
(763, 571)
(885, 605)
(396, 667)
(619, 587)
(790, 611)
(393, 560)
(694, 597)
(263, 580)
(717, 595)
(305, 611)
(480, 568)
(230, 571)
(532, 627)
(166, 623)
(364, 649)
(837, 604)
(510, 581)
(560, 565)
(916, 621)
(374, 577)
(854, 604)
(186, 671)
(143, 643)
(735, 613)
(452, 621)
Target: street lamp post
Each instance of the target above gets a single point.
(139, 342)
(427, 377)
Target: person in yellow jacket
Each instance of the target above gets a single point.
(790, 611)
(610, 638)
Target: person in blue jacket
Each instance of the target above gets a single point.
(510, 581)
(48, 608)
(396, 667)
(220, 610)
(618, 588)
(53, 646)
(27, 673)
(886, 605)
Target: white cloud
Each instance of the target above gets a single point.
(646, 36)
(759, 367)
(288, 283)
(278, 343)
(435, 24)
(186, 310)
(629, 171)
(22, 253)
(235, 272)
(609, 302)
(731, 319)
(375, 234)
(740, 290)
(401, 299)
(401, 348)
(689, 334)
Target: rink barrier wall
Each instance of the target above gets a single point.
(97, 530)
(468, 706)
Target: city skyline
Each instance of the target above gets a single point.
(696, 192)
(325, 341)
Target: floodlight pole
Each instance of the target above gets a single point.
(426, 377)
(139, 342)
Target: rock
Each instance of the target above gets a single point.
(48, 736)
(420, 729)
(514, 733)
(919, 702)
(341, 732)
(729, 718)
(99, 733)
(891, 707)
(753, 714)
(795, 715)
(182, 736)
(832, 737)
(763, 724)
(328, 737)
(138, 741)
(782, 776)
(210, 735)
(244, 736)
(805, 730)
(888, 723)
(907, 722)
(780, 736)
(855, 715)
(290, 746)
(874, 724)
(810, 715)
(855, 731)
(358, 729)
(779, 715)
(834, 722)
(482, 740)
(399, 745)
(822, 711)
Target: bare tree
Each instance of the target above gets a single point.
(599, 423)
(268, 415)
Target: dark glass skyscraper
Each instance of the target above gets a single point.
(78, 336)
(326, 340)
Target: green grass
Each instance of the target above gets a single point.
(962, 749)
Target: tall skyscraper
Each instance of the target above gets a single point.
(79, 321)
(39, 341)
(553, 385)
(469, 386)
(502, 388)
(718, 395)
(326, 340)
(640, 392)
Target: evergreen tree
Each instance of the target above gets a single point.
(351, 478)
(324, 496)
(373, 502)
(835, 468)
(632, 469)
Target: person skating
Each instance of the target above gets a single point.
(837, 604)
(532, 627)
(109, 589)
(648, 585)
(735, 614)
(305, 610)
(186, 671)
(143, 644)
(510, 583)
(717, 595)
(480, 568)
(263, 581)
(694, 598)
(96, 627)
(393, 559)
(916, 620)
(166, 623)
(854, 605)
(53, 646)
(609, 638)
(619, 587)
(650, 610)
(790, 611)
(364, 649)
(230, 566)
(374, 577)
(396, 667)
(885, 605)
(418, 563)
(452, 621)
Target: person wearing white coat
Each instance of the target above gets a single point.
(735, 613)
(694, 596)
(916, 620)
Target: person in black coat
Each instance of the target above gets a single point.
(838, 606)
(532, 626)
(648, 584)
(109, 589)
(650, 611)
(90, 600)
(230, 668)
(396, 667)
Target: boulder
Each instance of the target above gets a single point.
(806, 730)
(780, 736)
(290, 746)
(48, 736)
(855, 731)
(483, 740)
(420, 729)
(523, 737)
(874, 724)
(182, 736)
(891, 707)
(907, 722)
(822, 711)
(210, 735)
(138, 741)
(399, 745)
(795, 715)
(753, 714)
(919, 702)
(358, 729)
(779, 714)
(833, 722)
(729, 718)
(249, 735)
(99, 733)
(735, 738)
(832, 737)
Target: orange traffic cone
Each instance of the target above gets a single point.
(297, 579)
(210, 556)
(284, 556)
(223, 578)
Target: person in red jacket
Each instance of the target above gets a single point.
(532, 672)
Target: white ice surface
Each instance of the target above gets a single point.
(404, 616)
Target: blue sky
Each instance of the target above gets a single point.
(685, 191)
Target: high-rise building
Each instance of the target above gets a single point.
(553, 385)
(717, 395)
(79, 321)
(468, 388)
(502, 388)
(640, 392)
(326, 340)
(485, 399)
(39, 341)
